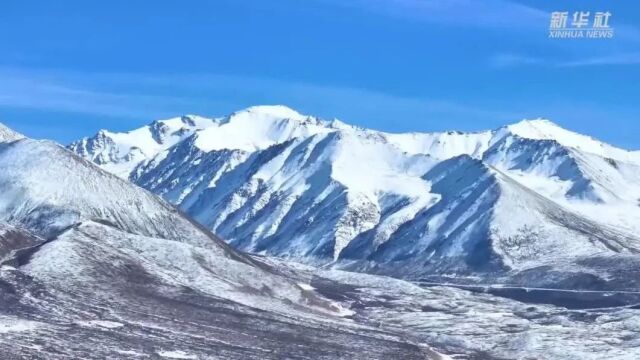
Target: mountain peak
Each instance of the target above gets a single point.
(278, 111)
(542, 129)
(7, 134)
(538, 129)
(259, 127)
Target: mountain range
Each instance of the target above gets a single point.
(93, 266)
(529, 203)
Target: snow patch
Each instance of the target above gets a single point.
(101, 323)
(176, 354)
(9, 324)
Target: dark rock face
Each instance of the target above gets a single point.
(12, 238)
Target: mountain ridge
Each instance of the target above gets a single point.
(272, 181)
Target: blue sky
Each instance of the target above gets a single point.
(69, 68)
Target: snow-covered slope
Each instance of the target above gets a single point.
(542, 129)
(46, 188)
(8, 135)
(592, 178)
(269, 180)
(82, 217)
(443, 145)
(259, 127)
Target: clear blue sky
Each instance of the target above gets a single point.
(68, 68)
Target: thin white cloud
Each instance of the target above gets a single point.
(512, 60)
(613, 59)
(144, 96)
(36, 90)
(515, 60)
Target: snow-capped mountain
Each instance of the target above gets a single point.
(249, 130)
(269, 180)
(93, 266)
